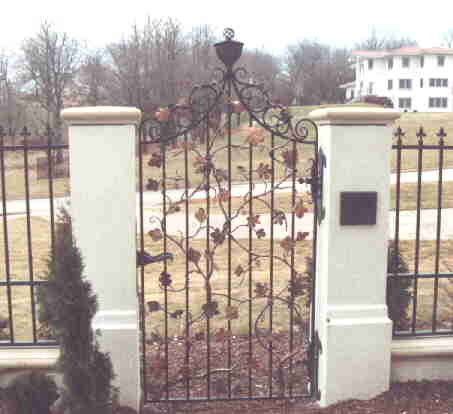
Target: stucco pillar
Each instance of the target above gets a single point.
(351, 314)
(103, 180)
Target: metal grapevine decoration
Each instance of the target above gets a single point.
(192, 348)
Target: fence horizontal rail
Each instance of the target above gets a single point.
(422, 147)
(18, 344)
(34, 147)
(23, 283)
(422, 275)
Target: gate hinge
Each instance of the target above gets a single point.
(317, 345)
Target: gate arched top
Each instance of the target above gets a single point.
(213, 99)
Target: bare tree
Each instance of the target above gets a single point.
(149, 67)
(93, 79)
(448, 38)
(314, 71)
(201, 58)
(385, 41)
(12, 110)
(50, 63)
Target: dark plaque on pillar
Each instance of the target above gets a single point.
(358, 208)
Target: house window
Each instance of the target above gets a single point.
(390, 64)
(421, 82)
(422, 61)
(405, 83)
(438, 102)
(370, 88)
(440, 60)
(438, 82)
(390, 84)
(405, 103)
(370, 64)
(405, 62)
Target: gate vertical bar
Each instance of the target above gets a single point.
(208, 291)
(25, 135)
(441, 135)
(314, 390)
(50, 170)
(141, 142)
(6, 236)
(271, 264)
(164, 227)
(250, 272)
(420, 135)
(230, 178)
(398, 134)
(293, 238)
(186, 182)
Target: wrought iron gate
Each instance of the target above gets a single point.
(227, 308)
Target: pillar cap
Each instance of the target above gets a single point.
(102, 115)
(356, 114)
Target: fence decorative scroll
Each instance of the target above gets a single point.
(231, 316)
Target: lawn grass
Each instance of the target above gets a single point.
(19, 269)
(197, 294)
(15, 177)
(409, 122)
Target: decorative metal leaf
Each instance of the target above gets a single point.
(155, 234)
(153, 306)
(210, 309)
(287, 244)
(300, 208)
(152, 185)
(302, 235)
(165, 279)
(193, 255)
(260, 233)
(155, 160)
(200, 215)
(239, 270)
(290, 158)
(231, 312)
(261, 289)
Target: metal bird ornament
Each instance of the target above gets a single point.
(144, 258)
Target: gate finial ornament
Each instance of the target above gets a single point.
(229, 51)
(228, 33)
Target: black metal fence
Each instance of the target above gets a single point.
(27, 234)
(421, 287)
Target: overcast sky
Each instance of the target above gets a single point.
(271, 24)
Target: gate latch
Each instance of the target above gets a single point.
(316, 184)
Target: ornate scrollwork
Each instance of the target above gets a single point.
(208, 100)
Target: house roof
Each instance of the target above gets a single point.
(404, 51)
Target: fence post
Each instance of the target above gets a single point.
(103, 184)
(351, 315)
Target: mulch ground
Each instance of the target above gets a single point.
(434, 397)
(403, 398)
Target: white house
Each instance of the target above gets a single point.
(415, 79)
